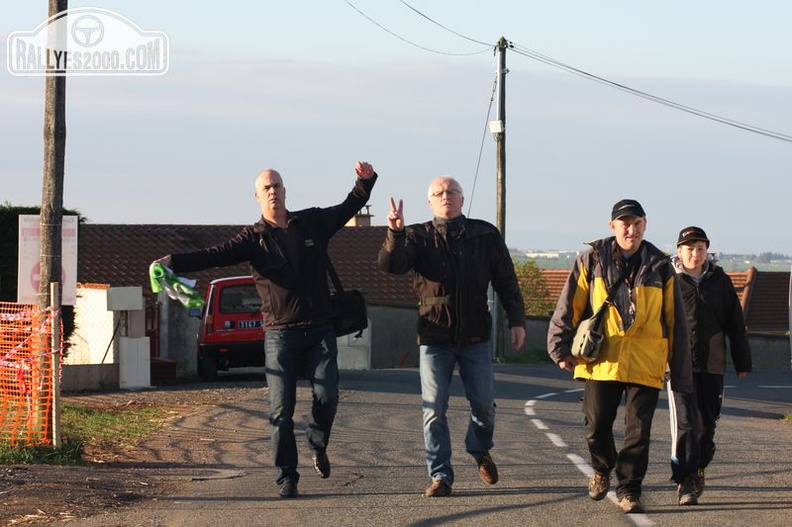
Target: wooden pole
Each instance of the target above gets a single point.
(500, 139)
(56, 356)
(51, 215)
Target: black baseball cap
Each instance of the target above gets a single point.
(692, 234)
(627, 207)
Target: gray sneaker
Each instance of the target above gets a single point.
(288, 489)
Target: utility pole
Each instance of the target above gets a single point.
(498, 129)
(500, 135)
(51, 218)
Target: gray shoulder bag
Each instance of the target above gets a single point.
(589, 333)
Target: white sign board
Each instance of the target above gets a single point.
(30, 260)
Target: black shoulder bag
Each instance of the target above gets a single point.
(589, 333)
(348, 306)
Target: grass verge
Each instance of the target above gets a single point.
(106, 428)
(529, 356)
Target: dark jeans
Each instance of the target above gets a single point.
(601, 400)
(291, 354)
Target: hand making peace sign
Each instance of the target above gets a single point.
(396, 215)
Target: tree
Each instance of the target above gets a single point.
(534, 289)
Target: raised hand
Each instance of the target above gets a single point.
(364, 170)
(396, 215)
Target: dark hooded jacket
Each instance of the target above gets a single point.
(714, 313)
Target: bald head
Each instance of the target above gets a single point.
(271, 196)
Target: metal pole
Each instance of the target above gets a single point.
(55, 349)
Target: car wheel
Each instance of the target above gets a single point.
(207, 368)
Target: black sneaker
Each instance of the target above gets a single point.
(288, 489)
(599, 486)
(321, 464)
(698, 485)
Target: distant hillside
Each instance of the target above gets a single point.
(730, 262)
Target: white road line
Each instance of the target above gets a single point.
(546, 395)
(539, 424)
(556, 440)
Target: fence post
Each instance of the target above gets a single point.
(56, 347)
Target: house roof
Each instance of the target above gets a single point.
(766, 301)
(119, 255)
(763, 295)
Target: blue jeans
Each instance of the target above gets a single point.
(290, 354)
(475, 369)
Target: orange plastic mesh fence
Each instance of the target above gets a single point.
(26, 384)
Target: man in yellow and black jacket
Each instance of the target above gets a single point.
(645, 335)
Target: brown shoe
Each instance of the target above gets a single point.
(488, 471)
(438, 489)
(687, 491)
(631, 505)
(599, 486)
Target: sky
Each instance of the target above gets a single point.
(309, 88)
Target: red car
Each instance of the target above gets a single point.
(231, 334)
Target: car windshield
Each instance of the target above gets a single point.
(242, 298)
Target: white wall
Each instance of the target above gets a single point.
(93, 330)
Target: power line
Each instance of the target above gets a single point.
(526, 52)
(481, 148)
(435, 22)
(350, 4)
(648, 96)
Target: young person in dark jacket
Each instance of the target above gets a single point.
(454, 259)
(713, 313)
(284, 249)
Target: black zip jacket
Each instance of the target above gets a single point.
(452, 280)
(713, 312)
(286, 264)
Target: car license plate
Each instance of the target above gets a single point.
(249, 324)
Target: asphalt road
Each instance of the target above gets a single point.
(378, 472)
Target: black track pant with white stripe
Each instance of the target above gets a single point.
(693, 421)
